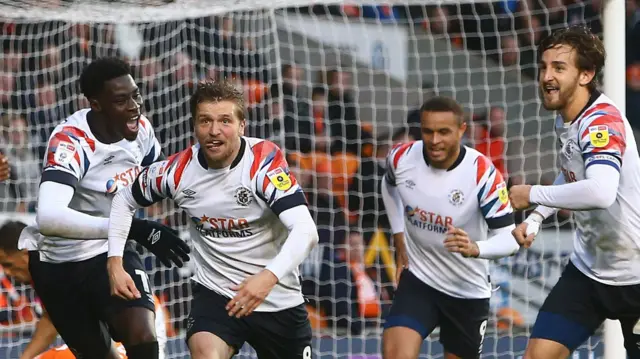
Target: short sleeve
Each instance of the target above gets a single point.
(274, 183)
(602, 137)
(68, 156)
(493, 196)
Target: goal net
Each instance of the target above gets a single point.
(335, 85)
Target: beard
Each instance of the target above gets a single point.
(559, 100)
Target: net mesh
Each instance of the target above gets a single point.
(335, 86)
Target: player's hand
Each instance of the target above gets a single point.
(5, 170)
(120, 282)
(251, 293)
(519, 196)
(458, 241)
(526, 232)
(160, 240)
(402, 259)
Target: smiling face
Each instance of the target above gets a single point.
(218, 129)
(120, 101)
(442, 132)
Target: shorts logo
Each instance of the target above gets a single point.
(64, 152)
(456, 197)
(243, 196)
(503, 193)
(280, 179)
(599, 136)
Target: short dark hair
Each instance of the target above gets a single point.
(100, 71)
(9, 235)
(216, 91)
(443, 104)
(590, 51)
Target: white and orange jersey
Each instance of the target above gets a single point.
(606, 244)
(233, 213)
(63, 351)
(470, 195)
(97, 171)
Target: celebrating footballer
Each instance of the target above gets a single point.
(450, 213)
(600, 183)
(250, 228)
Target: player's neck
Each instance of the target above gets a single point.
(227, 162)
(99, 128)
(575, 105)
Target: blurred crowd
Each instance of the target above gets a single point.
(337, 157)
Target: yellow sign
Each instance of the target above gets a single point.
(503, 194)
(280, 179)
(599, 136)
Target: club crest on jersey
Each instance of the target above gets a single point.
(243, 196)
(456, 197)
(599, 136)
(64, 152)
(280, 179)
(503, 194)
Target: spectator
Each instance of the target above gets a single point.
(489, 137)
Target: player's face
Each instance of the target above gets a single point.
(121, 102)
(218, 130)
(559, 77)
(441, 134)
(16, 265)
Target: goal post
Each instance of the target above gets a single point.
(388, 59)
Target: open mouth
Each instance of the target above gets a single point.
(213, 145)
(133, 123)
(551, 89)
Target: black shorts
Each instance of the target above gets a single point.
(577, 306)
(77, 297)
(422, 308)
(274, 335)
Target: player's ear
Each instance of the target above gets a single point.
(95, 105)
(463, 128)
(586, 77)
(241, 128)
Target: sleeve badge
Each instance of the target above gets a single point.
(599, 136)
(280, 179)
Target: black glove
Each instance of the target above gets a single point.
(161, 241)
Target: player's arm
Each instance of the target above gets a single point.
(280, 190)
(602, 142)
(394, 207)
(498, 214)
(43, 336)
(153, 184)
(66, 161)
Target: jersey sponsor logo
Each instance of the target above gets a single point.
(430, 221)
(503, 193)
(243, 196)
(280, 179)
(219, 227)
(599, 136)
(456, 197)
(64, 152)
(122, 179)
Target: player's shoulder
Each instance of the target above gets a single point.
(260, 148)
(478, 163)
(146, 128)
(603, 111)
(401, 151)
(73, 130)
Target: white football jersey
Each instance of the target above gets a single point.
(471, 195)
(233, 213)
(96, 171)
(606, 244)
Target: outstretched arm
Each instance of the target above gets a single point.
(44, 335)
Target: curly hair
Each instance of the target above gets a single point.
(100, 71)
(589, 48)
(9, 235)
(444, 104)
(216, 91)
